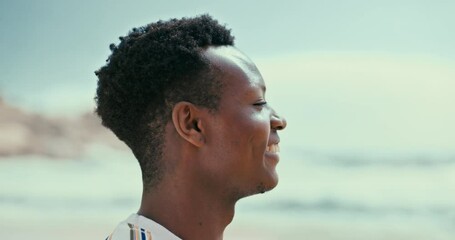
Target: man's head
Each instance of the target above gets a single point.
(152, 69)
(192, 108)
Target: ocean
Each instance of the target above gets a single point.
(322, 195)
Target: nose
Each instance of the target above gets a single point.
(277, 122)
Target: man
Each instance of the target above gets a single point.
(192, 109)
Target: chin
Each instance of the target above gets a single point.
(263, 185)
(273, 180)
(267, 186)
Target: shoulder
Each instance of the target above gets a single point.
(129, 231)
(137, 227)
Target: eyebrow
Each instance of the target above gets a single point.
(252, 89)
(263, 88)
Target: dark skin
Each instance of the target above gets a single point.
(212, 159)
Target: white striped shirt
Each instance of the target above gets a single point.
(137, 227)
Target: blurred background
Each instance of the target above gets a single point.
(367, 87)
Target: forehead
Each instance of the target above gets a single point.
(237, 70)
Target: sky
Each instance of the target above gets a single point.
(346, 74)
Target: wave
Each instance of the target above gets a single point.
(334, 206)
(374, 158)
(284, 207)
(48, 203)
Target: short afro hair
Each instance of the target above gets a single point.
(149, 71)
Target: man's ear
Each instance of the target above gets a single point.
(187, 122)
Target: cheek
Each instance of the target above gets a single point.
(258, 129)
(261, 124)
(245, 134)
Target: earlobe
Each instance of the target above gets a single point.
(187, 123)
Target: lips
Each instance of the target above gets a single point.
(274, 148)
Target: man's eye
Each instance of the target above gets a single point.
(260, 104)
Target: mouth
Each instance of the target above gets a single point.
(274, 148)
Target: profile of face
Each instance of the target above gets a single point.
(242, 135)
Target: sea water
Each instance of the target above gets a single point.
(321, 195)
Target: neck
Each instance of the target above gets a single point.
(188, 211)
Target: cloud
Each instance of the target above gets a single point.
(26, 133)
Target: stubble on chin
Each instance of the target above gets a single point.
(261, 188)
